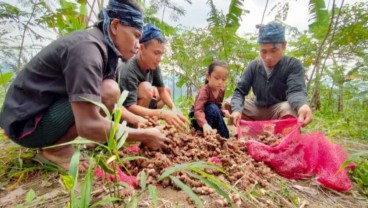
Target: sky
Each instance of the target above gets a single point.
(196, 13)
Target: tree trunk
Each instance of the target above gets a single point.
(330, 94)
(316, 101)
(340, 103)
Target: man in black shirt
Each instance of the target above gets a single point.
(142, 77)
(277, 82)
(45, 105)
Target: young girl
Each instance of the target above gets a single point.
(207, 109)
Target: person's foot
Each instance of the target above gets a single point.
(61, 157)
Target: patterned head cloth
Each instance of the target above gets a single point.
(150, 32)
(273, 32)
(127, 14)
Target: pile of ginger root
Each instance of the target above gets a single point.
(230, 154)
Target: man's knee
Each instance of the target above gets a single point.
(110, 93)
(168, 89)
(145, 91)
(285, 109)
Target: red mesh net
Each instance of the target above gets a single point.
(298, 155)
(120, 176)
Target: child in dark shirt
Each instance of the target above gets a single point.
(207, 112)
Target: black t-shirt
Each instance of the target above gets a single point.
(130, 76)
(72, 66)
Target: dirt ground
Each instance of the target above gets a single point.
(280, 193)
(50, 193)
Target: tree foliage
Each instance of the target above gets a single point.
(21, 31)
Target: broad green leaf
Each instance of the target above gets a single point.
(122, 135)
(111, 142)
(68, 182)
(207, 165)
(153, 194)
(75, 201)
(117, 117)
(125, 159)
(350, 159)
(101, 105)
(83, 10)
(122, 130)
(187, 190)
(213, 185)
(76, 142)
(111, 159)
(134, 202)
(122, 140)
(5, 77)
(104, 166)
(74, 165)
(87, 186)
(181, 167)
(31, 194)
(319, 18)
(122, 98)
(143, 180)
(212, 178)
(234, 16)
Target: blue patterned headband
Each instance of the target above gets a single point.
(150, 32)
(273, 32)
(127, 14)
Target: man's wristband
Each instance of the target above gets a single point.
(161, 112)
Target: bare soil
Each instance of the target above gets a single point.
(276, 192)
(306, 193)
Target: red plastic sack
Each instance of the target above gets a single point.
(120, 176)
(298, 155)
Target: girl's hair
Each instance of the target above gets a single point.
(212, 66)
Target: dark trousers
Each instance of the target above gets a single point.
(214, 119)
(54, 123)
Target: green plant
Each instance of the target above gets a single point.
(360, 175)
(13, 168)
(115, 140)
(184, 103)
(30, 196)
(195, 170)
(360, 172)
(5, 77)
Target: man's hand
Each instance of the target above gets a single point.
(235, 118)
(152, 119)
(145, 122)
(305, 114)
(176, 119)
(207, 130)
(175, 110)
(225, 113)
(142, 123)
(155, 139)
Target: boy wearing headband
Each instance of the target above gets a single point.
(141, 76)
(277, 82)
